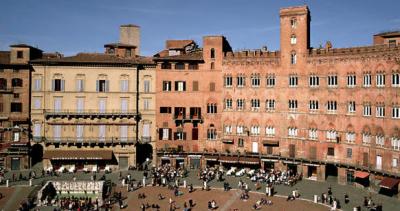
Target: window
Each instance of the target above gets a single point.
(165, 110)
(240, 142)
(180, 135)
(255, 130)
(367, 111)
(128, 52)
(179, 66)
(193, 66)
(79, 132)
(367, 80)
(212, 66)
(195, 86)
(351, 107)
(293, 58)
(394, 162)
(270, 80)
(380, 79)
(314, 81)
(146, 85)
(125, 85)
(380, 110)
(57, 104)
(313, 134)
(3, 83)
(1, 110)
(37, 130)
(166, 86)
(292, 132)
(180, 86)
(212, 53)
(395, 143)
(16, 136)
(332, 106)
(16, 107)
(16, 82)
(211, 108)
(211, 134)
(396, 112)
(331, 135)
(349, 153)
(293, 81)
(380, 140)
(37, 84)
(111, 51)
(228, 103)
(270, 131)
(80, 85)
(292, 105)
(102, 86)
(331, 151)
(37, 103)
(165, 133)
(351, 81)
(396, 80)
(228, 129)
(332, 81)
(57, 132)
(293, 39)
(146, 104)
(102, 105)
(392, 43)
(20, 54)
(293, 23)
(166, 66)
(313, 105)
(270, 105)
(58, 85)
(16, 95)
(146, 130)
(241, 81)
(350, 137)
(228, 81)
(366, 138)
(123, 133)
(80, 104)
(102, 133)
(212, 86)
(255, 80)
(240, 129)
(255, 104)
(240, 104)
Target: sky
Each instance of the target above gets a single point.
(73, 26)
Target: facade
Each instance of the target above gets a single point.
(15, 78)
(85, 112)
(318, 111)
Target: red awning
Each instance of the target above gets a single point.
(361, 174)
(228, 159)
(389, 183)
(253, 161)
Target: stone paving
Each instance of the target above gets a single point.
(306, 188)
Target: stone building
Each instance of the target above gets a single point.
(14, 105)
(318, 111)
(92, 110)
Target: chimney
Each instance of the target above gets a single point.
(130, 34)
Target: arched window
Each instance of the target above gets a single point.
(293, 58)
(3, 83)
(16, 82)
(212, 53)
(293, 39)
(212, 66)
(293, 23)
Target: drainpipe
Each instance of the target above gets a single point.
(137, 116)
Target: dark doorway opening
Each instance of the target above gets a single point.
(331, 171)
(144, 153)
(36, 154)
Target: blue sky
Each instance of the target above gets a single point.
(73, 26)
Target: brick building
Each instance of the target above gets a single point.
(15, 79)
(319, 111)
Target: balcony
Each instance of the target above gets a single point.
(89, 140)
(90, 114)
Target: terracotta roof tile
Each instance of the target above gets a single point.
(177, 44)
(193, 56)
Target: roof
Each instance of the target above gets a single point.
(129, 25)
(4, 57)
(123, 45)
(192, 56)
(78, 154)
(389, 183)
(22, 45)
(178, 44)
(95, 58)
(389, 34)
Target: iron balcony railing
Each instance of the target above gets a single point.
(90, 113)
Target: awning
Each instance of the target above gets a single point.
(389, 183)
(253, 161)
(227, 141)
(269, 160)
(272, 143)
(228, 159)
(78, 154)
(361, 174)
(211, 157)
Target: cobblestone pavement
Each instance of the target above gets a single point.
(306, 188)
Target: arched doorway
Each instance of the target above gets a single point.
(36, 154)
(144, 152)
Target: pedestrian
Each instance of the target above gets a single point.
(346, 198)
